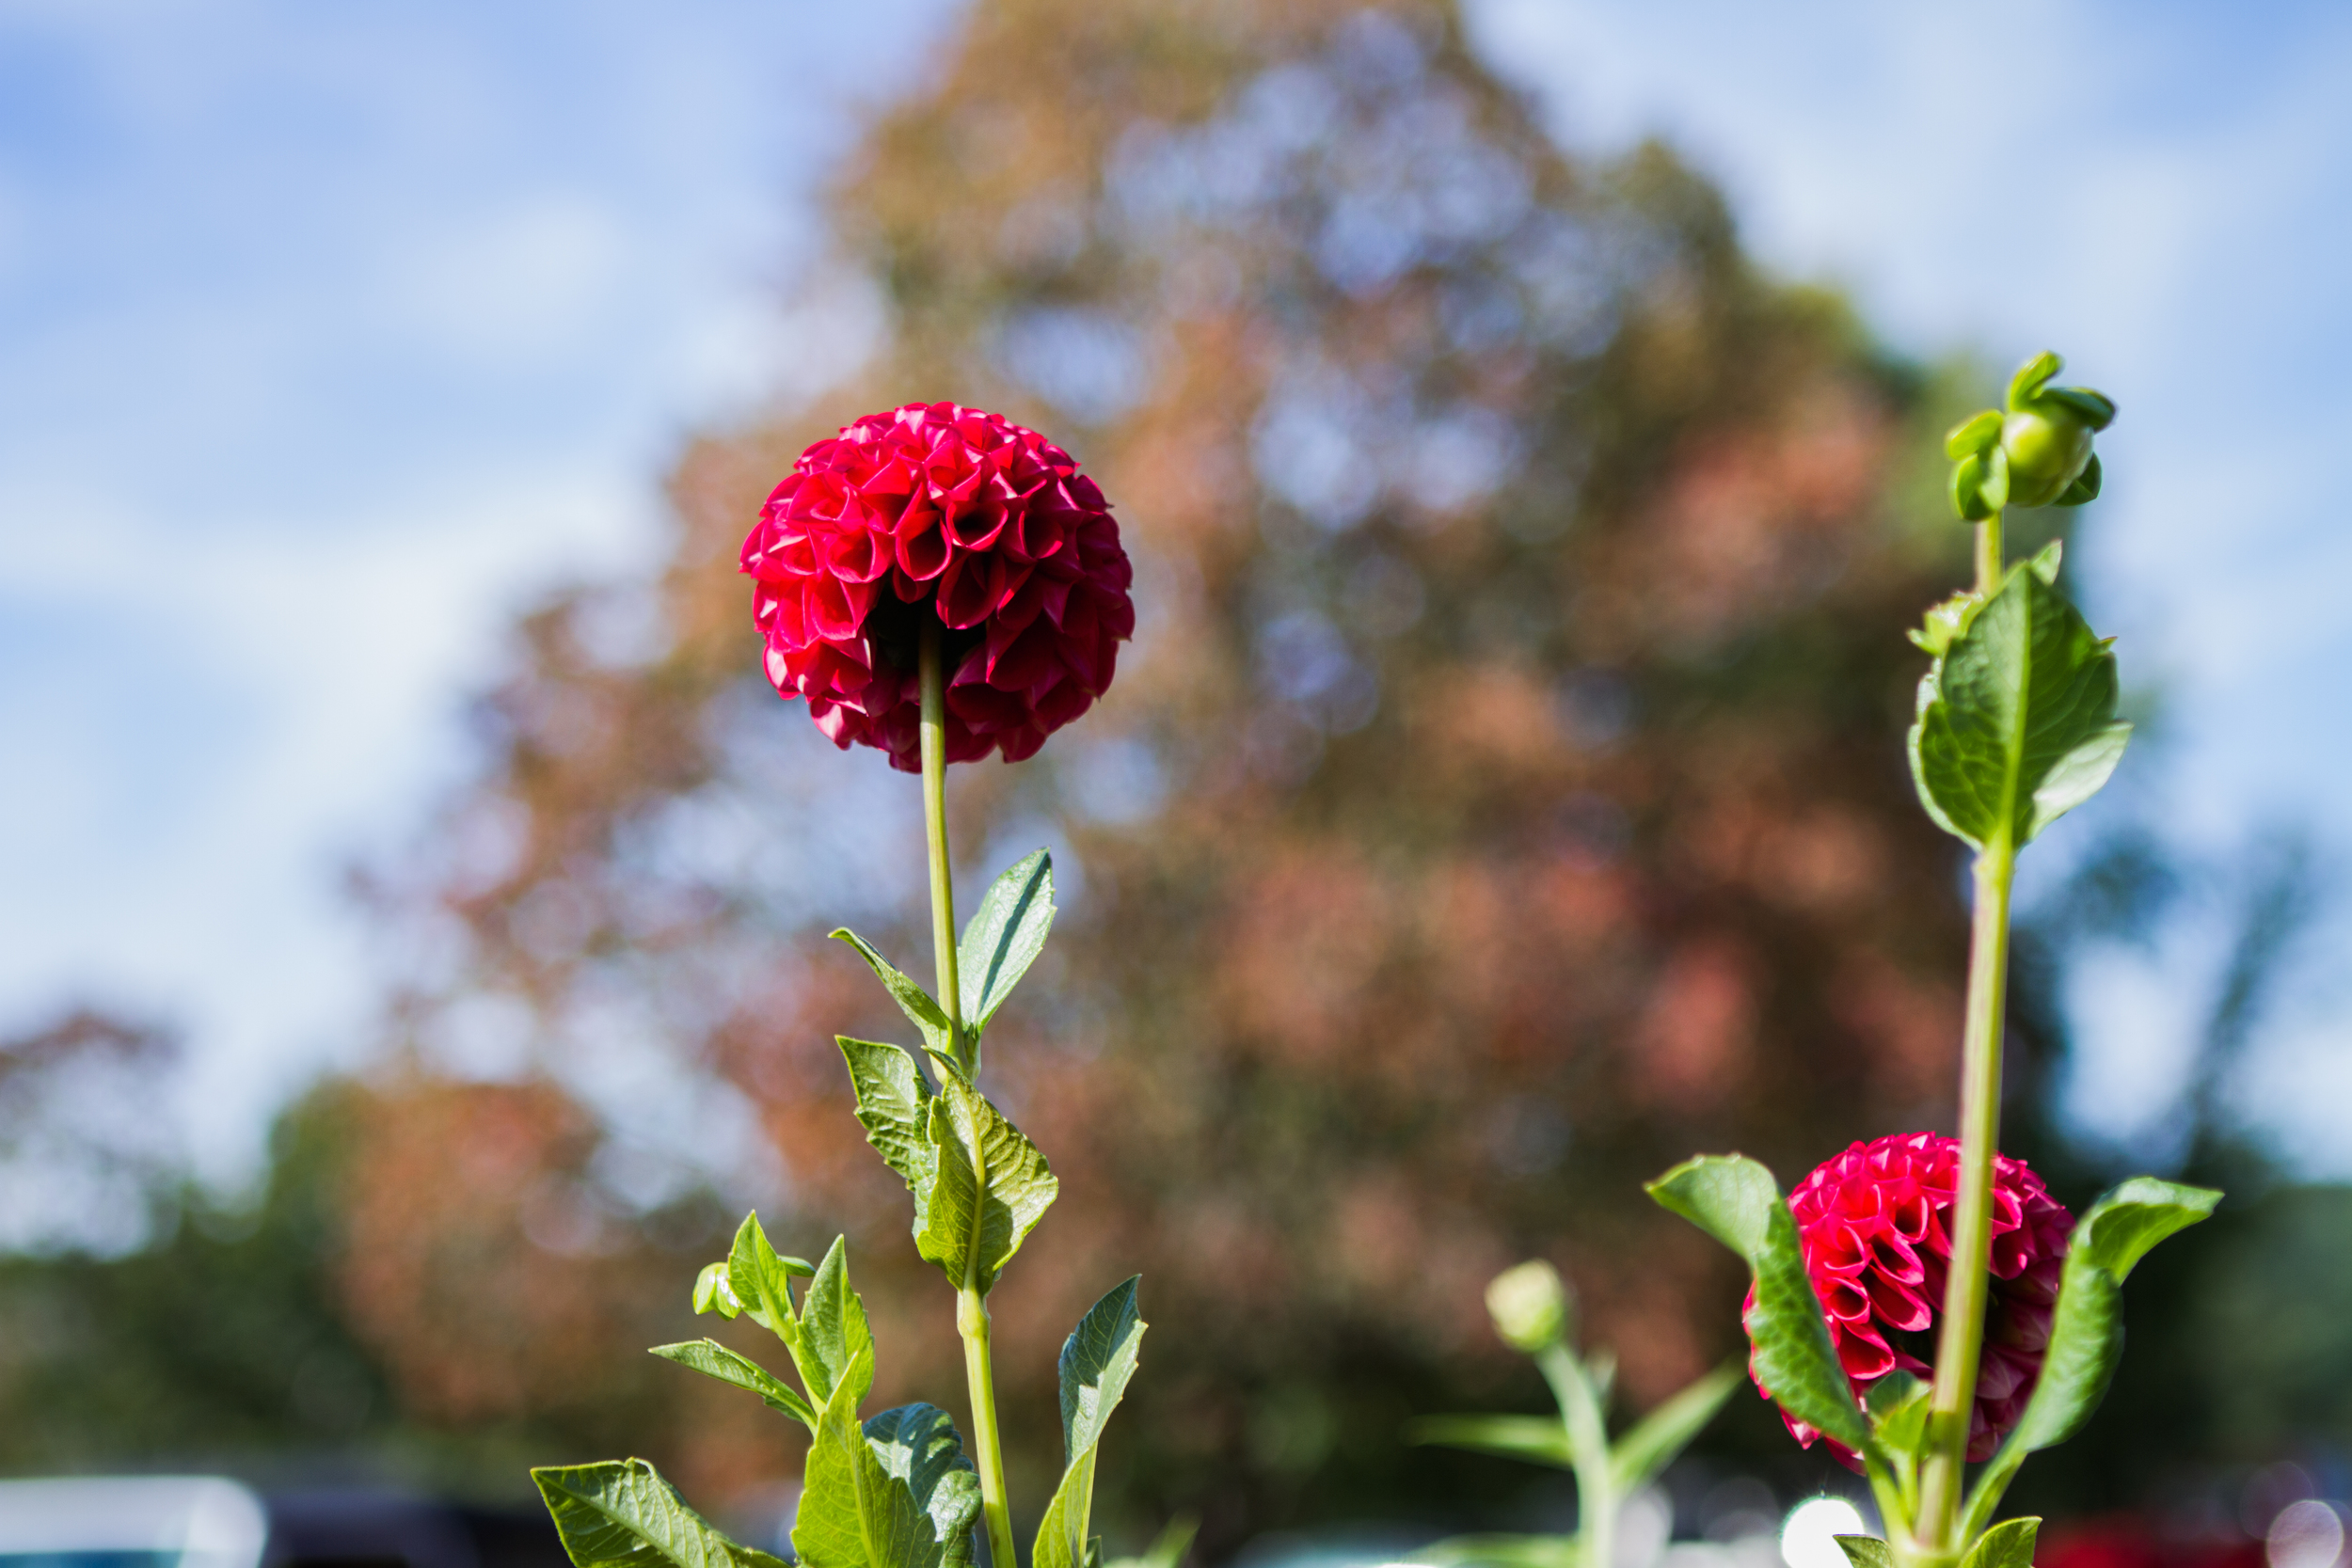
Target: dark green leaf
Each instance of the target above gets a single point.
(1865, 1551)
(2016, 723)
(760, 1278)
(1735, 1200)
(2086, 1330)
(2006, 1545)
(713, 1360)
(989, 1187)
(1536, 1439)
(1637, 1457)
(893, 1106)
(620, 1513)
(895, 1492)
(1097, 1360)
(914, 1001)
(1004, 936)
(831, 1335)
(2086, 485)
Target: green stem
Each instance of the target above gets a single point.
(1588, 1451)
(1961, 1338)
(971, 1308)
(1989, 555)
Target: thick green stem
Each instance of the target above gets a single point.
(1588, 1451)
(1962, 1337)
(971, 1308)
(1989, 555)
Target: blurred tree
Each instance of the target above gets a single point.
(1505, 796)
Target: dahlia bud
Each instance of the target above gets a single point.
(1875, 1224)
(1530, 1306)
(942, 513)
(2035, 453)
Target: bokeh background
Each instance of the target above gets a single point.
(1524, 417)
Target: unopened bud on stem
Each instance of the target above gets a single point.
(1530, 1306)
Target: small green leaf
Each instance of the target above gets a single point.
(1004, 936)
(1865, 1551)
(2086, 485)
(831, 1335)
(1536, 1439)
(1097, 1360)
(2087, 1329)
(1967, 487)
(620, 1513)
(2006, 1545)
(892, 1105)
(2096, 409)
(2046, 561)
(1899, 1403)
(925, 1014)
(713, 1360)
(894, 1493)
(1735, 1200)
(1637, 1457)
(988, 1188)
(2031, 375)
(713, 1295)
(1993, 488)
(1974, 436)
(2016, 724)
(760, 1278)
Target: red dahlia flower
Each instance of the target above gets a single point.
(1875, 1224)
(937, 510)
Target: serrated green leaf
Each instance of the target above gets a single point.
(1097, 1361)
(760, 1278)
(1637, 1457)
(1005, 934)
(2087, 1329)
(1865, 1551)
(989, 1186)
(831, 1335)
(1735, 1200)
(713, 1360)
(1536, 1439)
(2016, 723)
(893, 1103)
(2117, 1232)
(894, 1493)
(917, 1003)
(620, 1513)
(2006, 1545)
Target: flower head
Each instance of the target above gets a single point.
(1876, 1227)
(934, 510)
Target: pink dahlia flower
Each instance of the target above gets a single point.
(1875, 1224)
(937, 510)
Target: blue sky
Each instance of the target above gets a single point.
(330, 335)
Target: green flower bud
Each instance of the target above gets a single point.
(1530, 1307)
(2046, 433)
(714, 1293)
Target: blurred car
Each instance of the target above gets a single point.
(213, 1522)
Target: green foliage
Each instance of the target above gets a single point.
(917, 1003)
(620, 1513)
(1004, 938)
(1865, 1551)
(2006, 1545)
(892, 1105)
(2087, 1332)
(1097, 1360)
(713, 1360)
(2016, 723)
(1735, 1200)
(897, 1492)
(829, 1338)
(987, 1187)
(1637, 1457)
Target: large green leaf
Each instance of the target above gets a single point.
(989, 1187)
(1735, 1200)
(1637, 1457)
(2006, 1545)
(925, 1014)
(892, 1105)
(1007, 933)
(894, 1493)
(831, 1335)
(760, 1278)
(620, 1513)
(1097, 1360)
(1536, 1439)
(2086, 1330)
(2016, 723)
(713, 1360)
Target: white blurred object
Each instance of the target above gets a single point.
(1807, 1536)
(1646, 1522)
(2309, 1535)
(177, 1521)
